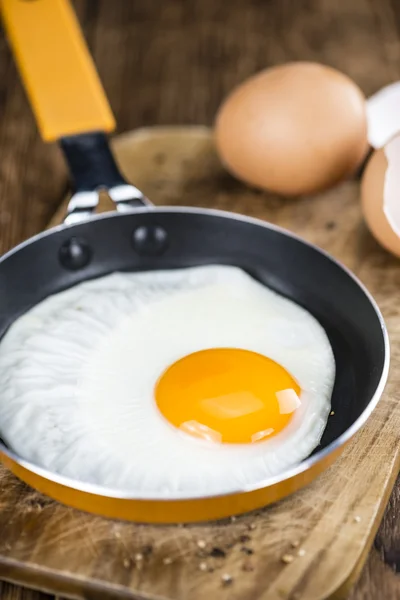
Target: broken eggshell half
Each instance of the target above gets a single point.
(380, 191)
(383, 115)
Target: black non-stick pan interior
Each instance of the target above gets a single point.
(175, 238)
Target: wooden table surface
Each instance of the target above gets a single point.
(172, 62)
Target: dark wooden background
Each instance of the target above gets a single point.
(171, 62)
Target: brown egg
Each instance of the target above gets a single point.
(294, 129)
(379, 194)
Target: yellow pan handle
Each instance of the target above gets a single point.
(56, 68)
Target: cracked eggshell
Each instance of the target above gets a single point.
(380, 191)
(383, 115)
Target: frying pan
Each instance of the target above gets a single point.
(71, 108)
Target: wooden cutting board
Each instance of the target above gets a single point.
(326, 529)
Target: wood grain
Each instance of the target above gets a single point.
(334, 520)
(172, 62)
(388, 538)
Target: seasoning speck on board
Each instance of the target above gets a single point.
(247, 566)
(287, 558)
(147, 550)
(217, 552)
(227, 579)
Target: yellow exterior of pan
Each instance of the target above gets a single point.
(188, 510)
(57, 70)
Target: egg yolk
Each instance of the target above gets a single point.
(227, 395)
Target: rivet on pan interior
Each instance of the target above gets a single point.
(150, 240)
(75, 254)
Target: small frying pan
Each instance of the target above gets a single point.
(71, 108)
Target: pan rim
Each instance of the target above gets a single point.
(296, 470)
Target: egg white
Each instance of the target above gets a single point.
(77, 375)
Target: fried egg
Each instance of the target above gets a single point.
(191, 381)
